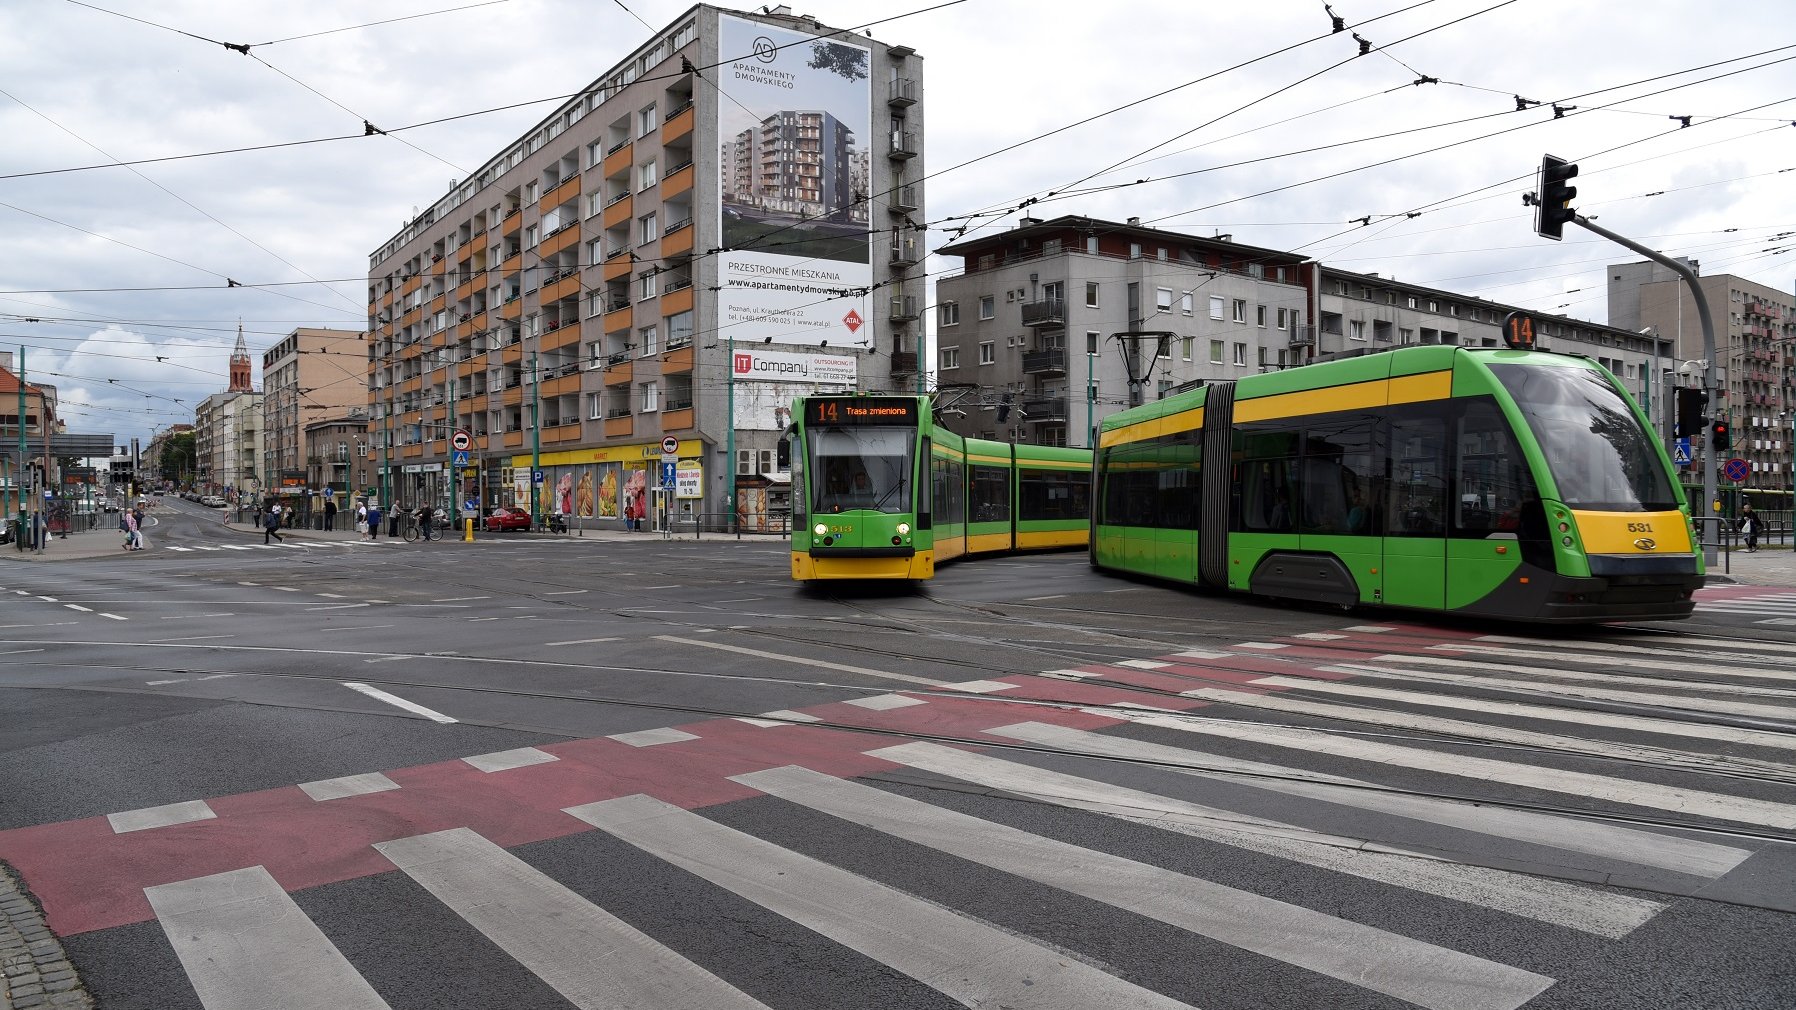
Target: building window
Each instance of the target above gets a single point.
(1215, 306)
(596, 405)
(647, 229)
(1281, 319)
(948, 314)
(1356, 329)
(646, 122)
(950, 358)
(648, 285)
(651, 398)
(679, 329)
(595, 252)
(1259, 315)
(1215, 352)
(1134, 250)
(645, 173)
(988, 306)
(1187, 303)
(1091, 244)
(988, 352)
(532, 192)
(1091, 294)
(648, 341)
(1163, 348)
(1091, 341)
(1240, 353)
(595, 202)
(1240, 307)
(1189, 343)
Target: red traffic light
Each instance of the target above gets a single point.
(1720, 437)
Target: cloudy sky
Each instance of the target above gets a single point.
(1251, 119)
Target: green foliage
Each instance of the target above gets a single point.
(835, 57)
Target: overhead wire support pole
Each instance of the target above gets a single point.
(1711, 529)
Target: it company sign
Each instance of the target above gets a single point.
(776, 366)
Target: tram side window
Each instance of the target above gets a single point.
(1265, 499)
(1341, 477)
(1418, 488)
(1494, 483)
(1053, 494)
(1131, 486)
(991, 494)
(1178, 483)
(948, 492)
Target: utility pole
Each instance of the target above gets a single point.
(729, 451)
(536, 441)
(22, 469)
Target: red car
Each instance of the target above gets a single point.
(506, 518)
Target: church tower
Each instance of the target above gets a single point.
(240, 365)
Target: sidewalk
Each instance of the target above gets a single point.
(107, 543)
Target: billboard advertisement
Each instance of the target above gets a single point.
(794, 130)
(779, 366)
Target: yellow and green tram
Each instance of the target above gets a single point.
(1502, 483)
(880, 492)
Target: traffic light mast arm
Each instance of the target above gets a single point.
(1709, 476)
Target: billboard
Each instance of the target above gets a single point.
(778, 366)
(794, 129)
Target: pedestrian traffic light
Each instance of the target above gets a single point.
(1552, 207)
(1721, 437)
(1691, 403)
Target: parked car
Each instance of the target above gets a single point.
(108, 505)
(506, 518)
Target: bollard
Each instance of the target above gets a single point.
(467, 536)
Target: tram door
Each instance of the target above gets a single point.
(1491, 489)
(1415, 545)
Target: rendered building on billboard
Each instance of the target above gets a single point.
(722, 221)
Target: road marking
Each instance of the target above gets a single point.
(883, 702)
(1692, 802)
(1384, 962)
(675, 586)
(980, 686)
(1035, 599)
(1671, 701)
(237, 932)
(398, 702)
(18, 652)
(52, 624)
(801, 660)
(348, 785)
(581, 641)
(652, 737)
(284, 589)
(49, 599)
(190, 638)
(589, 956)
(1573, 905)
(114, 616)
(249, 583)
(504, 760)
(160, 817)
(1645, 848)
(460, 599)
(921, 939)
(1560, 655)
(564, 592)
(787, 715)
(333, 596)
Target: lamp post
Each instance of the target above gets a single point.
(729, 437)
(536, 440)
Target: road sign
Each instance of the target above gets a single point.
(461, 441)
(461, 457)
(1680, 452)
(536, 476)
(670, 446)
(1736, 470)
(668, 474)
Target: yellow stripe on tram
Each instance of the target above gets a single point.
(1171, 424)
(1356, 396)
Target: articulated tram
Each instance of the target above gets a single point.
(1512, 484)
(880, 492)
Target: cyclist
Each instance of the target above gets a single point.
(426, 516)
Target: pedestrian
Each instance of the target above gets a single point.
(426, 516)
(374, 522)
(128, 523)
(137, 516)
(271, 524)
(1749, 525)
(330, 514)
(361, 518)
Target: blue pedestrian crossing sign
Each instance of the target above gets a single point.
(461, 457)
(668, 474)
(1680, 452)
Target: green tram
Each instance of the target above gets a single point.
(1510, 484)
(880, 492)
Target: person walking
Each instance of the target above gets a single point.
(374, 522)
(271, 524)
(1749, 526)
(330, 514)
(128, 523)
(361, 518)
(137, 516)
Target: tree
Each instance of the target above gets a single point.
(179, 457)
(835, 57)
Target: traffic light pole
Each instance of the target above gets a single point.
(1709, 507)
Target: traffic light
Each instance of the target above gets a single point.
(1691, 402)
(1721, 437)
(1553, 206)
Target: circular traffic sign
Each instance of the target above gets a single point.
(670, 445)
(1736, 469)
(460, 440)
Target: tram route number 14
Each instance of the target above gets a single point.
(1518, 331)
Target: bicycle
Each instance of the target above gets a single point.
(413, 531)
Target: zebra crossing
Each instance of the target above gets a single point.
(1774, 607)
(1262, 804)
(297, 545)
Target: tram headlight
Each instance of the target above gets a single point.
(820, 529)
(1565, 527)
(904, 529)
(1567, 541)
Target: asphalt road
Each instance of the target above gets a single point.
(625, 771)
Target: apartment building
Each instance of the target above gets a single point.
(227, 431)
(718, 223)
(1053, 325)
(1755, 344)
(308, 375)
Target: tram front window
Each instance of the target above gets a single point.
(861, 467)
(1601, 457)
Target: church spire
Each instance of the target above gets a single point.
(241, 366)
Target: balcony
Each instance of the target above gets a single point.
(902, 200)
(903, 251)
(617, 159)
(1303, 336)
(1050, 409)
(1048, 312)
(677, 239)
(904, 146)
(1048, 362)
(903, 94)
(617, 425)
(678, 180)
(904, 308)
(676, 418)
(678, 123)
